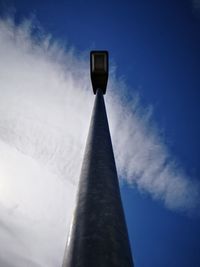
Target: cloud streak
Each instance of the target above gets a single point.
(45, 107)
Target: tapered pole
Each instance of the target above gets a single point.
(98, 236)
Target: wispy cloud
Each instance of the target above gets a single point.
(196, 7)
(45, 107)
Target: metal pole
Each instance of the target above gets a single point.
(98, 237)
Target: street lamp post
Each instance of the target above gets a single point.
(98, 236)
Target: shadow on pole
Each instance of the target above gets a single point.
(98, 236)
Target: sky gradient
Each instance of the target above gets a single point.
(153, 110)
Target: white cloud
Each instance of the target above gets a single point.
(35, 210)
(45, 108)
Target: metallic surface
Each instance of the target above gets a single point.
(98, 236)
(99, 76)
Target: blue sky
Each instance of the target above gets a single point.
(155, 47)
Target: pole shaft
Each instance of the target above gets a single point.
(98, 237)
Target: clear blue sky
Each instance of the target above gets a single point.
(156, 47)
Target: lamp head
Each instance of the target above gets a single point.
(99, 70)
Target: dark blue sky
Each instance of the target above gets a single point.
(156, 47)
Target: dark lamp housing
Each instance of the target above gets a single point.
(99, 70)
